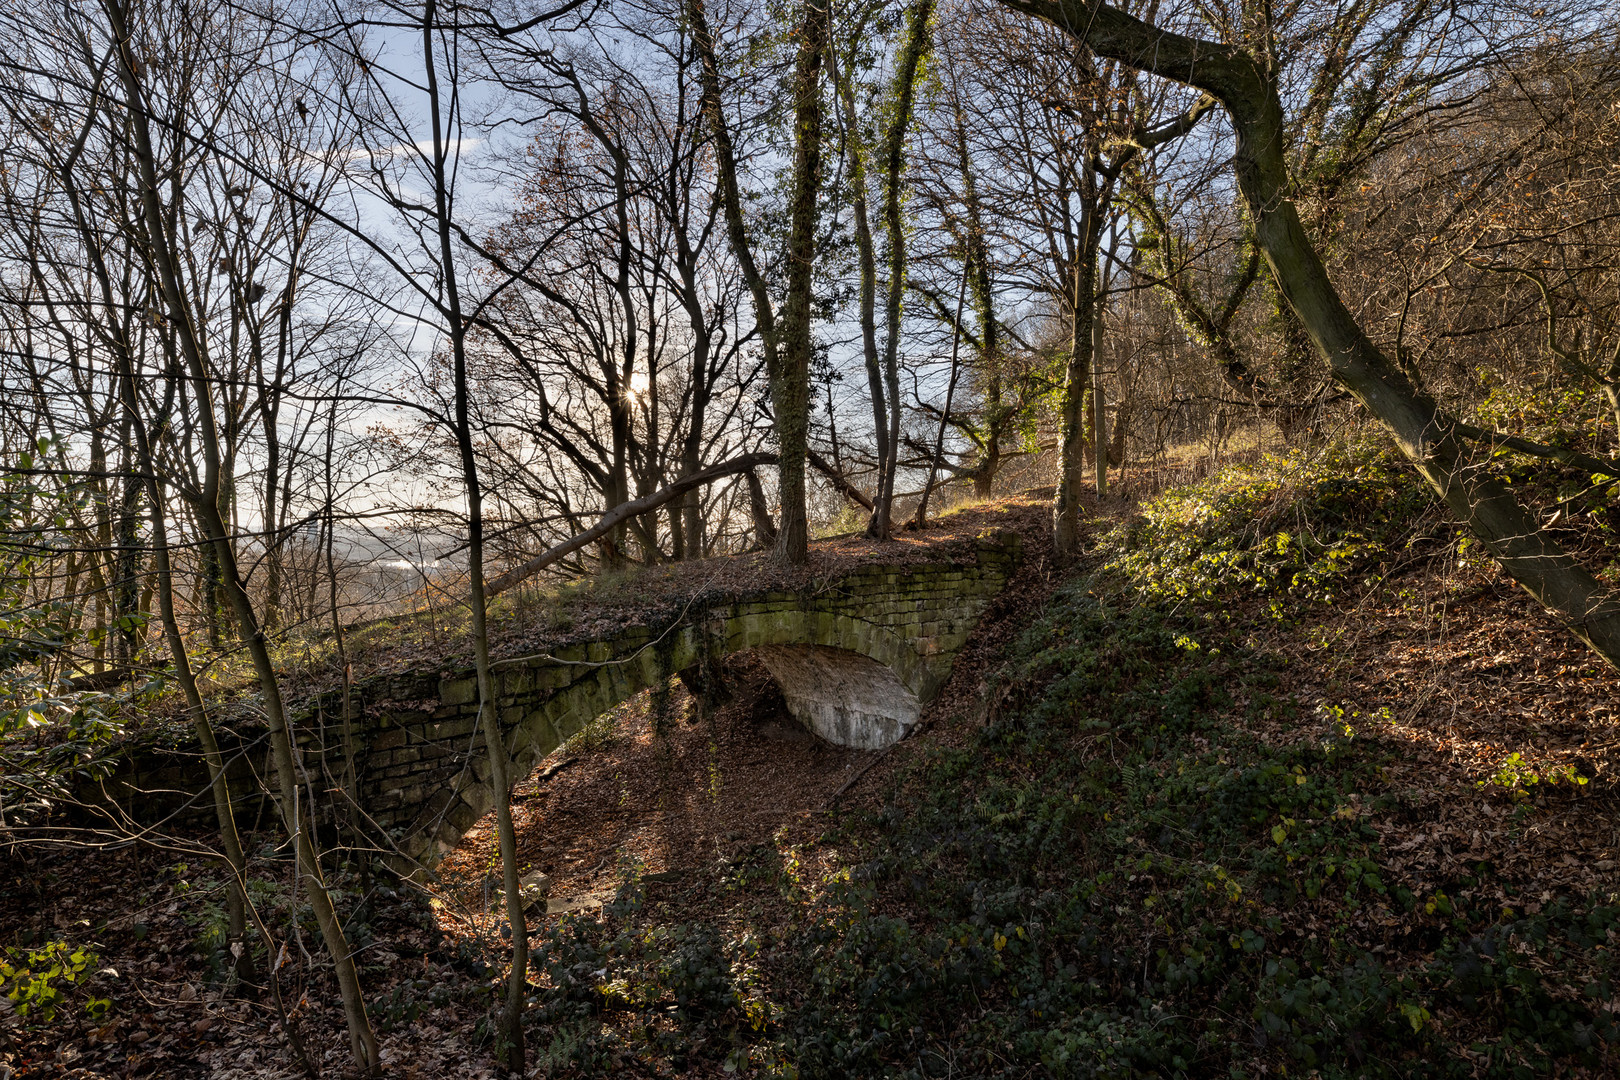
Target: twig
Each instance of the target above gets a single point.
(864, 769)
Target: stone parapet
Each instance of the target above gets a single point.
(419, 766)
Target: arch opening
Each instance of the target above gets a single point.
(842, 696)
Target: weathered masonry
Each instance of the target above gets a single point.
(856, 655)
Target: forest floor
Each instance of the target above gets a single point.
(1376, 836)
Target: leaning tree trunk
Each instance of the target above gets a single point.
(218, 779)
(920, 519)
(1428, 438)
(510, 1049)
(771, 337)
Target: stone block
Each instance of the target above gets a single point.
(455, 729)
(520, 740)
(431, 803)
(547, 677)
(388, 740)
(463, 816)
(517, 680)
(649, 669)
(458, 691)
(546, 740)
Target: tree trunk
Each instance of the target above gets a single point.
(976, 259)
(510, 1051)
(790, 389)
(127, 566)
(877, 525)
(1122, 423)
(218, 781)
(268, 528)
(362, 1041)
(921, 518)
(730, 195)
(1426, 436)
(1077, 381)
(905, 80)
(1099, 412)
(217, 541)
(690, 509)
(760, 511)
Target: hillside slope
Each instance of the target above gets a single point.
(1278, 781)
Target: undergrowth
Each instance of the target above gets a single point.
(1138, 887)
(1116, 879)
(1147, 861)
(1298, 526)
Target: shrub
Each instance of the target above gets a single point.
(1302, 524)
(40, 981)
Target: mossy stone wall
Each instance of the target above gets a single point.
(419, 763)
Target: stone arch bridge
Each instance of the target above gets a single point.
(857, 654)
